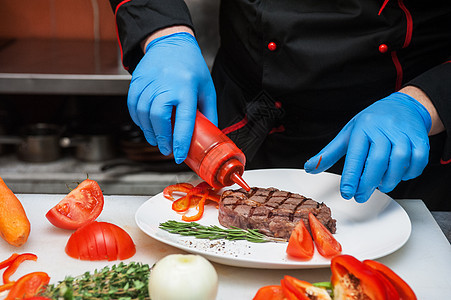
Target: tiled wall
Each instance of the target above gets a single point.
(62, 19)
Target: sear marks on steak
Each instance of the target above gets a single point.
(273, 212)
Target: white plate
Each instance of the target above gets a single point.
(367, 231)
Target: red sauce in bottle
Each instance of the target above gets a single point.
(214, 157)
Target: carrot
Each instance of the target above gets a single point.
(14, 223)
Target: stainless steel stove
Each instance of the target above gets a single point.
(115, 177)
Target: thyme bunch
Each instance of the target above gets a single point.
(121, 281)
(214, 232)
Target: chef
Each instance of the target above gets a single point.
(361, 88)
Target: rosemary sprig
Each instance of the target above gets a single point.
(121, 281)
(214, 232)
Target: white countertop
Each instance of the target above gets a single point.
(424, 261)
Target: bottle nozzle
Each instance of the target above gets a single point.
(236, 177)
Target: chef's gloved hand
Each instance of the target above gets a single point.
(385, 143)
(172, 73)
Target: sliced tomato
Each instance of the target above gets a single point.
(404, 290)
(28, 285)
(270, 292)
(100, 241)
(97, 236)
(127, 248)
(81, 206)
(325, 242)
(300, 244)
(110, 242)
(79, 249)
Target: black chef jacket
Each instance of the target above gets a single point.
(290, 74)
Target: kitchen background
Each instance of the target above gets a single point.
(63, 112)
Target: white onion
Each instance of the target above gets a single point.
(183, 277)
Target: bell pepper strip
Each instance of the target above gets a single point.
(352, 278)
(212, 196)
(199, 190)
(325, 242)
(300, 244)
(390, 290)
(304, 290)
(7, 286)
(15, 264)
(289, 295)
(196, 196)
(200, 207)
(404, 290)
(183, 187)
(182, 204)
(201, 187)
(28, 285)
(7, 262)
(270, 292)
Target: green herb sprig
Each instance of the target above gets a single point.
(214, 232)
(122, 281)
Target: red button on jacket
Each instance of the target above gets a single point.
(383, 48)
(272, 46)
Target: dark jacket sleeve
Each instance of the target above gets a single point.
(436, 83)
(136, 19)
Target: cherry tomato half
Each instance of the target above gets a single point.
(100, 241)
(81, 206)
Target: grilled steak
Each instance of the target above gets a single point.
(273, 212)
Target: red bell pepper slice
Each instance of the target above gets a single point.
(195, 196)
(28, 285)
(182, 204)
(15, 264)
(404, 290)
(303, 290)
(178, 187)
(201, 207)
(212, 196)
(300, 244)
(270, 292)
(7, 286)
(352, 277)
(289, 295)
(7, 262)
(325, 242)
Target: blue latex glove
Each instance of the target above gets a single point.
(385, 143)
(172, 73)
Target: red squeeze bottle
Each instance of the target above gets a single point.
(214, 157)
